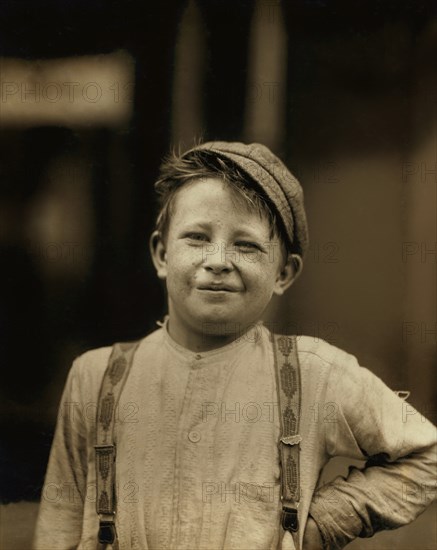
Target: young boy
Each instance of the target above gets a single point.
(197, 427)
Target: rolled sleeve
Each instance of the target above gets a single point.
(59, 524)
(400, 448)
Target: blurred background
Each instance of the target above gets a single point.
(93, 94)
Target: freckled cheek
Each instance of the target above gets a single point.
(260, 276)
(181, 272)
(186, 256)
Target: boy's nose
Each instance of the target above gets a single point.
(216, 259)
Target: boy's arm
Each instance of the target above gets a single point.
(59, 524)
(399, 479)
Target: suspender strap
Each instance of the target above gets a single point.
(289, 397)
(112, 385)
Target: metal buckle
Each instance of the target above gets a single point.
(290, 521)
(107, 532)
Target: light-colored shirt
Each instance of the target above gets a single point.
(197, 462)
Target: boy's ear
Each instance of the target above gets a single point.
(159, 255)
(288, 274)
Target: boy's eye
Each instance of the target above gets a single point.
(196, 236)
(246, 245)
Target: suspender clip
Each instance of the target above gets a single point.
(290, 521)
(107, 533)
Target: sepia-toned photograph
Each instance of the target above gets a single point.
(218, 246)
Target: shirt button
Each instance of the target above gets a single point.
(194, 437)
(198, 356)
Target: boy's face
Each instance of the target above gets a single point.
(219, 263)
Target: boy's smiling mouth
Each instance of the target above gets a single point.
(217, 287)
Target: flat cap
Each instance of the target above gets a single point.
(273, 177)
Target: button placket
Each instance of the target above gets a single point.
(196, 362)
(194, 435)
(191, 456)
(180, 470)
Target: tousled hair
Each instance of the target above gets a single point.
(177, 170)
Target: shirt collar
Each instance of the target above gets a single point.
(251, 338)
